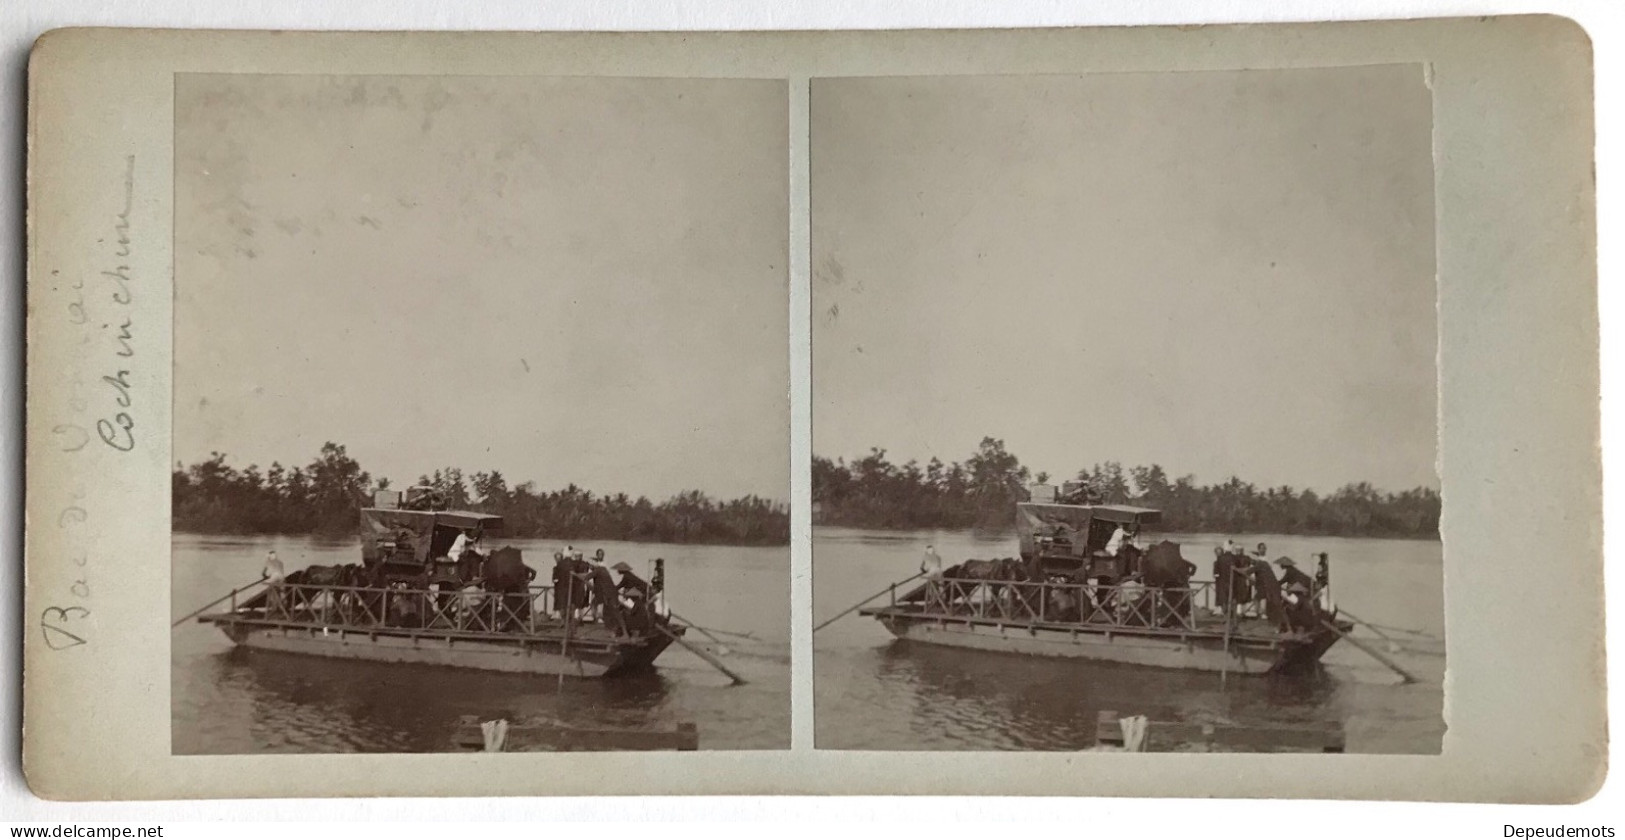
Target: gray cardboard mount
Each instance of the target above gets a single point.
(1518, 408)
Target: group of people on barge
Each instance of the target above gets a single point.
(459, 588)
(1152, 590)
(1246, 584)
(585, 590)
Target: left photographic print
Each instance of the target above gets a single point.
(481, 414)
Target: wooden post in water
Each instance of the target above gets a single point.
(552, 736)
(1161, 736)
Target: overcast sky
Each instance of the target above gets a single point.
(1224, 273)
(569, 280)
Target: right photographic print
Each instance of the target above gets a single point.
(1124, 412)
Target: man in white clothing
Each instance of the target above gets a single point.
(273, 574)
(458, 546)
(1115, 544)
(931, 564)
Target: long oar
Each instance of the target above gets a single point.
(1405, 630)
(697, 651)
(718, 630)
(1394, 645)
(199, 611)
(695, 626)
(854, 607)
(1403, 674)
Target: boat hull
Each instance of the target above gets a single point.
(539, 657)
(1193, 652)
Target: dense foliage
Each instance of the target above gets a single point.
(873, 492)
(214, 498)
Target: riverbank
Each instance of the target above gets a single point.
(337, 537)
(1010, 531)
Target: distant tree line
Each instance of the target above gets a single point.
(873, 492)
(212, 497)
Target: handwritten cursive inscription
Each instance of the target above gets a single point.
(65, 626)
(60, 625)
(66, 623)
(118, 430)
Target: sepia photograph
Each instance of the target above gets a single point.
(805, 413)
(481, 414)
(1124, 412)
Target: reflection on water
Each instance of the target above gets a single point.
(233, 700)
(875, 692)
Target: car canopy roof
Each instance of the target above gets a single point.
(381, 525)
(1034, 520)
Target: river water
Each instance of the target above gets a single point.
(873, 692)
(230, 701)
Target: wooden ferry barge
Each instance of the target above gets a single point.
(407, 603)
(499, 635)
(1066, 597)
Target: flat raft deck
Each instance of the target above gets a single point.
(533, 644)
(1195, 640)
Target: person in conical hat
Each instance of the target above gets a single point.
(636, 592)
(630, 585)
(1292, 576)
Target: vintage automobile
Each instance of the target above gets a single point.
(1070, 540)
(408, 545)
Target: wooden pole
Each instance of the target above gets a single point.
(1378, 628)
(1403, 674)
(854, 607)
(695, 626)
(199, 611)
(569, 608)
(734, 633)
(1369, 626)
(569, 620)
(697, 651)
(1394, 645)
(709, 630)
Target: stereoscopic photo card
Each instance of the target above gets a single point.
(453, 414)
